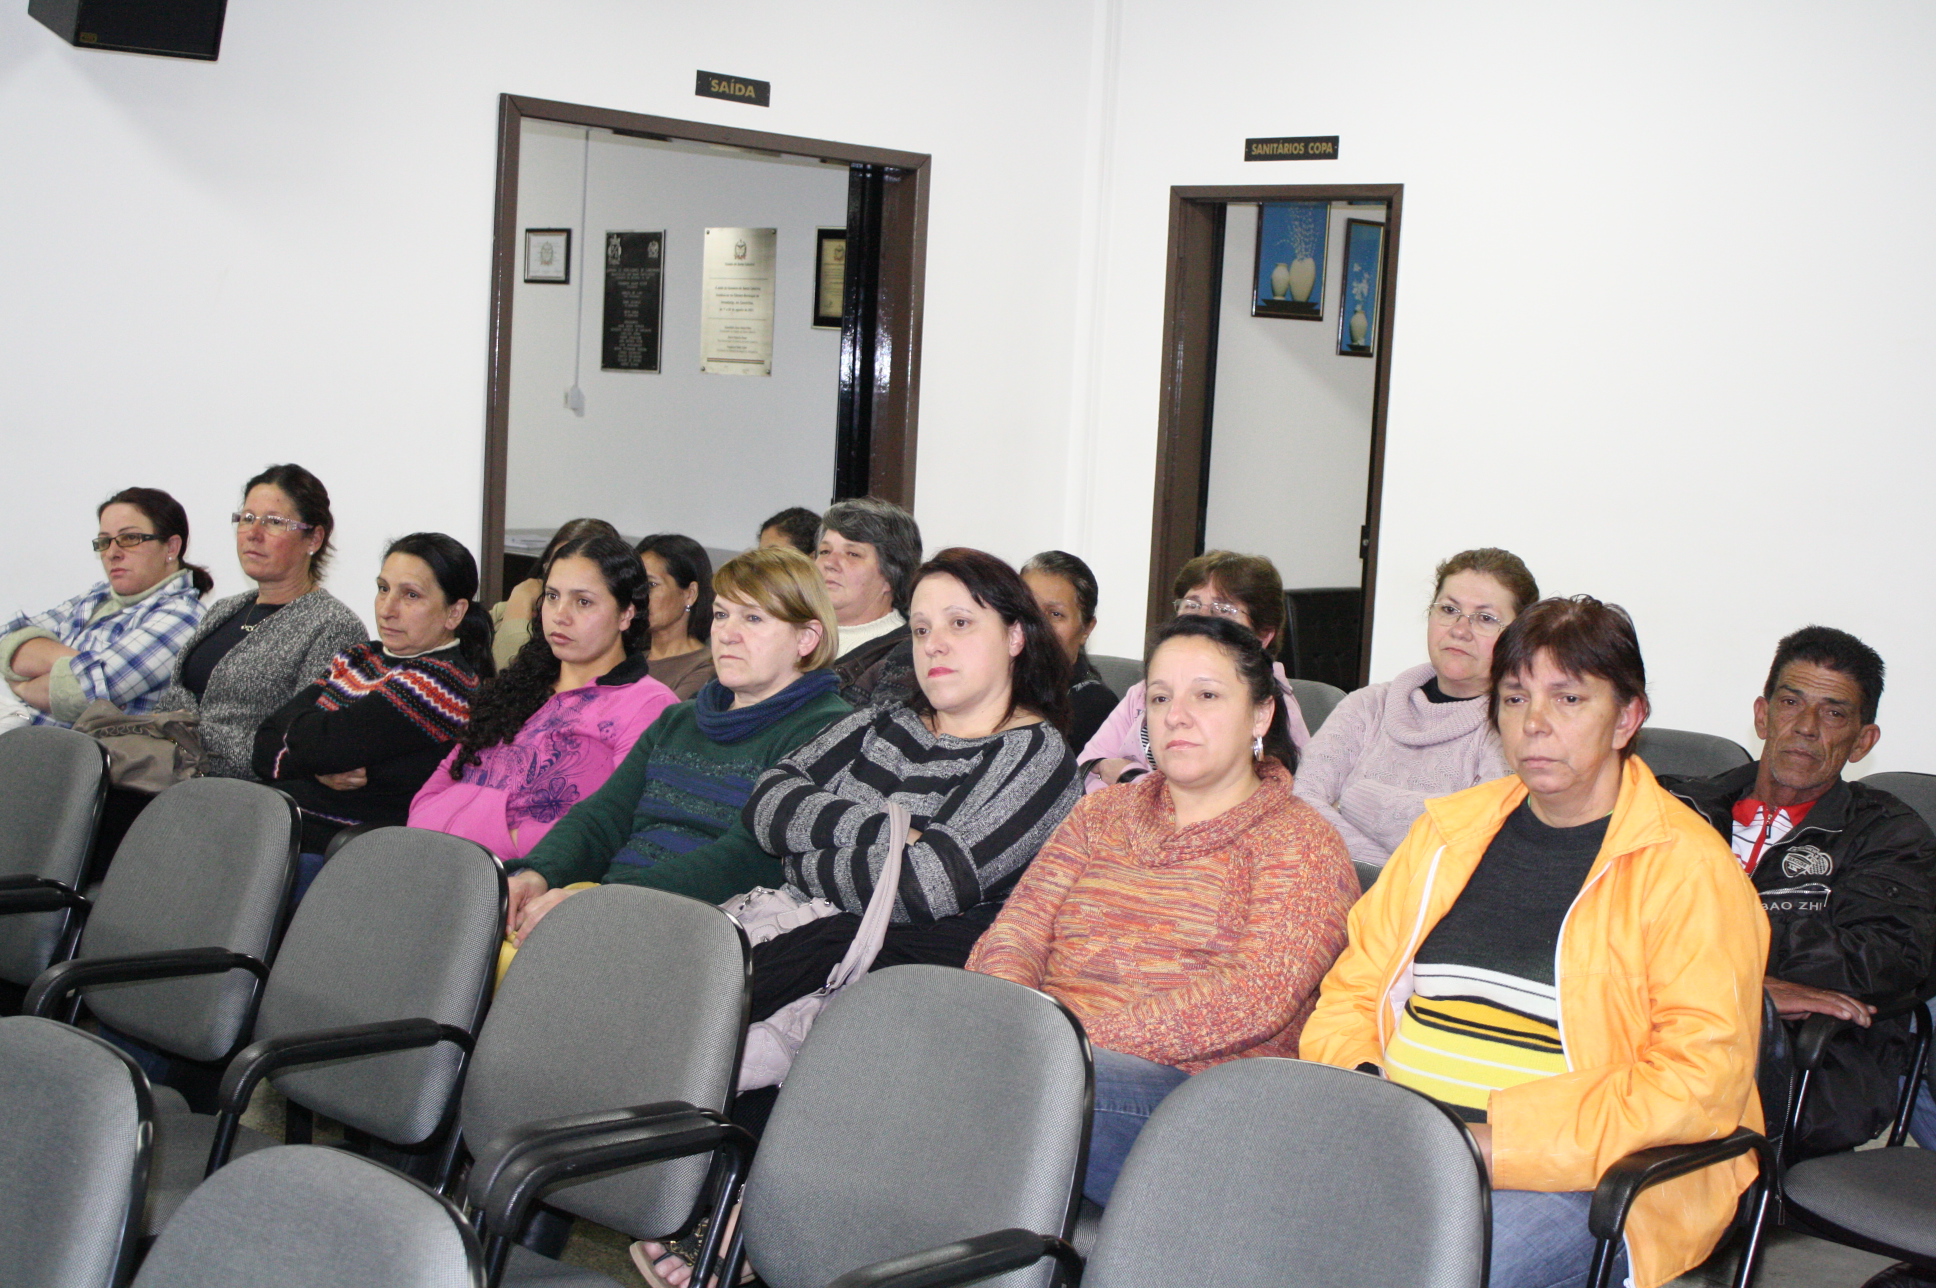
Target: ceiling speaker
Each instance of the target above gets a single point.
(177, 28)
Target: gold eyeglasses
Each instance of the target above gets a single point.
(1448, 616)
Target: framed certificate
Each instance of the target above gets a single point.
(830, 278)
(736, 302)
(547, 255)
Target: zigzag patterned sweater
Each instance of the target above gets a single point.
(392, 717)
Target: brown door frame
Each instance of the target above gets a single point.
(1191, 295)
(896, 385)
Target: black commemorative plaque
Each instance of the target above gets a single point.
(634, 294)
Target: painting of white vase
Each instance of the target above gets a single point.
(1364, 252)
(1303, 276)
(1288, 275)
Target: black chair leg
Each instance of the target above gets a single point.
(1744, 1273)
(1600, 1275)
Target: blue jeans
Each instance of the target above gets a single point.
(1128, 1090)
(1922, 1118)
(307, 867)
(1540, 1240)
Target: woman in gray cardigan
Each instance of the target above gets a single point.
(256, 650)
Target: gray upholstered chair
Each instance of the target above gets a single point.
(1316, 700)
(1879, 1200)
(186, 922)
(626, 1005)
(73, 1156)
(304, 1216)
(1121, 674)
(1387, 1187)
(52, 781)
(928, 1105)
(1687, 754)
(1917, 791)
(369, 1012)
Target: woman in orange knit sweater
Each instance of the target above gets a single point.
(1186, 918)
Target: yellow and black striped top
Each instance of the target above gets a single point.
(1484, 1011)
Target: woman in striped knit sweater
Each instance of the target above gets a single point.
(977, 757)
(355, 746)
(1186, 918)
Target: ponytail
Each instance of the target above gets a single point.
(474, 635)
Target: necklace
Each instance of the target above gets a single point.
(249, 622)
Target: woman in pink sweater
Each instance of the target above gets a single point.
(1186, 918)
(1241, 588)
(549, 730)
(1388, 748)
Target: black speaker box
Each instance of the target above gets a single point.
(177, 28)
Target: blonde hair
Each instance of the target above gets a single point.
(786, 584)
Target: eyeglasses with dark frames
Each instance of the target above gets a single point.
(126, 540)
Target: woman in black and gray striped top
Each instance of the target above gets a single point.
(976, 755)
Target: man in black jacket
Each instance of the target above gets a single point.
(1845, 873)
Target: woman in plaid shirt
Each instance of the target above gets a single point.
(117, 642)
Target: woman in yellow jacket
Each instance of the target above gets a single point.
(1570, 959)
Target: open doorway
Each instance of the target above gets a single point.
(1277, 343)
(636, 420)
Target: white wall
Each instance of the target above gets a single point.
(1696, 382)
(286, 254)
(676, 451)
(1290, 428)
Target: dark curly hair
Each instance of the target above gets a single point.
(1253, 664)
(502, 705)
(1039, 674)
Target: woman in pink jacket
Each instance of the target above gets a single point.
(1241, 588)
(549, 730)
(1389, 748)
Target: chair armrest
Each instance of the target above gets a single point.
(579, 1148)
(38, 894)
(492, 1156)
(344, 836)
(57, 983)
(966, 1261)
(260, 1059)
(1622, 1183)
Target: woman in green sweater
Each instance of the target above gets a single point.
(669, 816)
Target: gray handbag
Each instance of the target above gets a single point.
(146, 753)
(772, 1043)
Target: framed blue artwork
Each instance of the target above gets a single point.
(1364, 259)
(1288, 281)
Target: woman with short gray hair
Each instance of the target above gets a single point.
(869, 549)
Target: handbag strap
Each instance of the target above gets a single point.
(880, 905)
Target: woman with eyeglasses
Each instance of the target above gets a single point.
(1388, 748)
(116, 642)
(1241, 588)
(257, 650)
